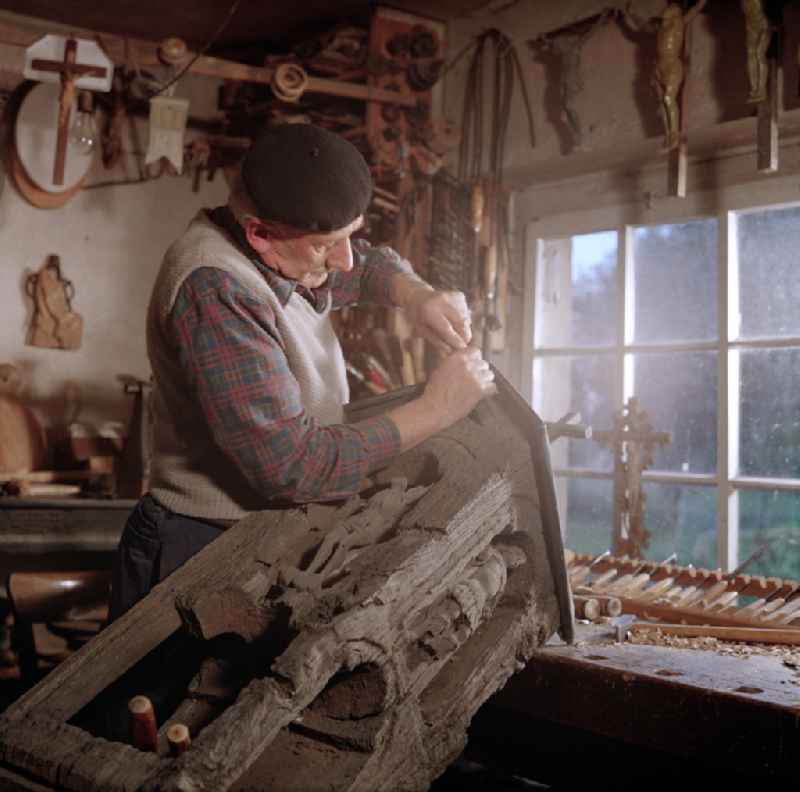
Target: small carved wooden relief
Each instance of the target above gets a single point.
(54, 325)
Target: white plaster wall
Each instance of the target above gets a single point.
(110, 241)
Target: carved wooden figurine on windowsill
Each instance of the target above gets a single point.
(54, 325)
(670, 31)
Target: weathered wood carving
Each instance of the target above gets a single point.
(54, 324)
(368, 633)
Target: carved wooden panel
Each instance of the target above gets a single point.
(366, 633)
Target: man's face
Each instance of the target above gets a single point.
(308, 259)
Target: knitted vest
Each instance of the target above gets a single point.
(189, 474)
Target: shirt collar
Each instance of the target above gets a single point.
(283, 287)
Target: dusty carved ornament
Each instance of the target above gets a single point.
(54, 325)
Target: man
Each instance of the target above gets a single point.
(249, 376)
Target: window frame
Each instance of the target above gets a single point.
(726, 205)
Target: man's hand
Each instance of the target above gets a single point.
(457, 384)
(441, 317)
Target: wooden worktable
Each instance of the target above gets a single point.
(42, 534)
(737, 713)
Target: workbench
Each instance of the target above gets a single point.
(662, 714)
(68, 533)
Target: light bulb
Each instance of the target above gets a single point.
(83, 132)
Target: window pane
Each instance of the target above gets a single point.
(576, 302)
(681, 520)
(770, 413)
(678, 391)
(768, 284)
(675, 276)
(582, 385)
(769, 525)
(588, 515)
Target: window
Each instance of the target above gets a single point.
(699, 319)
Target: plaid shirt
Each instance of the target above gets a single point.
(232, 356)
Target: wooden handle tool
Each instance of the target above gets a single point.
(178, 738)
(144, 732)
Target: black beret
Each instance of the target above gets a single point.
(307, 177)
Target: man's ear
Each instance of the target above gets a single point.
(256, 236)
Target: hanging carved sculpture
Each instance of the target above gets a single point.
(758, 31)
(54, 325)
(670, 31)
(567, 48)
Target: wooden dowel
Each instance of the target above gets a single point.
(635, 585)
(578, 574)
(705, 596)
(726, 601)
(683, 596)
(610, 606)
(657, 589)
(618, 584)
(602, 580)
(586, 608)
(786, 613)
(748, 611)
(178, 738)
(144, 732)
(747, 634)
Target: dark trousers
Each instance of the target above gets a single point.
(154, 544)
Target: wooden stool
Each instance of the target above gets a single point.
(74, 605)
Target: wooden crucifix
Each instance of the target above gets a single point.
(763, 68)
(566, 45)
(632, 441)
(673, 47)
(72, 75)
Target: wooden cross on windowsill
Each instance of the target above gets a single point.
(70, 71)
(632, 441)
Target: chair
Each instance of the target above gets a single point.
(73, 605)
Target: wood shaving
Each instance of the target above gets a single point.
(788, 655)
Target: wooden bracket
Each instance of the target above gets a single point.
(768, 122)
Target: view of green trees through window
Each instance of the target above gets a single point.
(658, 337)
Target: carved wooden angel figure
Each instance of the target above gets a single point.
(758, 31)
(670, 31)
